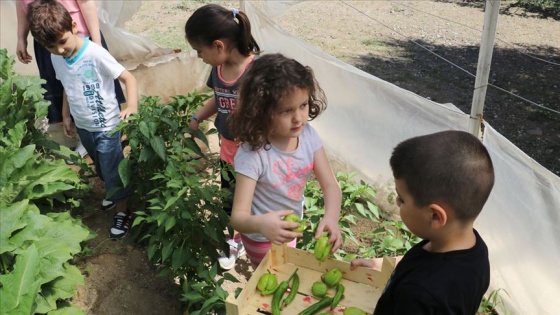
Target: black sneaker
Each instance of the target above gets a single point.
(121, 223)
(107, 205)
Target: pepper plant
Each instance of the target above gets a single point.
(356, 203)
(36, 244)
(178, 199)
(390, 239)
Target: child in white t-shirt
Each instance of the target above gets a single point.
(87, 72)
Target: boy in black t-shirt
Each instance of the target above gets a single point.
(442, 181)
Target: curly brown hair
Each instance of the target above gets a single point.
(263, 88)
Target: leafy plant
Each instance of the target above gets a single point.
(393, 238)
(492, 302)
(356, 203)
(390, 239)
(35, 249)
(178, 198)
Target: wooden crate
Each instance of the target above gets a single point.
(363, 286)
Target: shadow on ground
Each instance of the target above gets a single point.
(534, 130)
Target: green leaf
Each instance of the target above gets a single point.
(228, 276)
(192, 296)
(167, 250)
(20, 287)
(170, 223)
(125, 171)
(208, 304)
(144, 130)
(158, 145)
(11, 221)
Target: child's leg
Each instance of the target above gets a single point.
(109, 154)
(257, 250)
(106, 153)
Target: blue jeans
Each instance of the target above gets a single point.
(106, 151)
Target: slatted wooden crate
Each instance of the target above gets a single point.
(363, 286)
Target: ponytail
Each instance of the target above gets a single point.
(214, 22)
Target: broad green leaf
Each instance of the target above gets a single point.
(20, 287)
(68, 310)
(11, 221)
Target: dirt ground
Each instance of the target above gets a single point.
(385, 42)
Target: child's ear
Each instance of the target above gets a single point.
(439, 216)
(74, 27)
(220, 45)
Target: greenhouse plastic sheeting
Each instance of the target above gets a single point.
(521, 225)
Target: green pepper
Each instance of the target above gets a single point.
(322, 248)
(332, 277)
(267, 283)
(294, 218)
(353, 311)
(324, 302)
(337, 296)
(319, 289)
(293, 291)
(278, 297)
(279, 293)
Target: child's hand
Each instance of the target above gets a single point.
(127, 112)
(277, 230)
(374, 263)
(193, 125)
(69, 128)
(331, 226)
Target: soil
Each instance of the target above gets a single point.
(383, 41)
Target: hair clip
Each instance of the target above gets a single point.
(235, 12)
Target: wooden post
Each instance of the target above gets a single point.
(483, 69)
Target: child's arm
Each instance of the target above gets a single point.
(131, 87)
(270, 225)
(204, 112)
(89, 12)
(333, 199)
(22, 32)
(69, 129)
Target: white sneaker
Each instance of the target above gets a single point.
(236, 250)
(80, 149)
(107, 205)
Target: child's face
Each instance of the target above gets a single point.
(291, 115)
(211, 55)
(417, 219)
(67, 44)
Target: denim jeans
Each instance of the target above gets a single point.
(106, 151)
